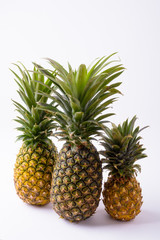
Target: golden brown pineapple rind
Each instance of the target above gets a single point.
(76, 184)
(122, 198)
(33, 173)
(122, 193)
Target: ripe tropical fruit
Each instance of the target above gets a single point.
(36, 158)
(83, 97)
(122, 193)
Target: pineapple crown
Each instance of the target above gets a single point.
(82, 96)
(122, 149)
(36, 125)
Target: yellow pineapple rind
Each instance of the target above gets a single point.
(33, 173)
(122, 198)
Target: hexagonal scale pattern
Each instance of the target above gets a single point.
(33, 173)
(122, 198)
(77, 182)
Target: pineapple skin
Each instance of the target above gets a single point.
(77, 182)
(33, 173)
(122, 198)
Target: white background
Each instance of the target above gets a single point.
(78, 32)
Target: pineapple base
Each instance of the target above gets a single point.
(33, 173)
(122, 198)
(77, 182)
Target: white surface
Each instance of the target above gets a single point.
(80, 31)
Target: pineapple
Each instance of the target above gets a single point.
(122, 192)
(83, 95)
(36, 158)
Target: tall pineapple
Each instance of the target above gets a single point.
(35, 160)
(122, 193)
(83, 95)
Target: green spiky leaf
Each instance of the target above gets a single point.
(35, 124)
(122, 148)
(83, 97)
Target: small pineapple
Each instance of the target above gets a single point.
(36, 158)
(83, 95)
(122, 193)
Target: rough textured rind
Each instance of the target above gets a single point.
(33, 173)
(122, 198)
(77, 182)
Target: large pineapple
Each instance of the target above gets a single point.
(36, 158)
(122, 193)
(83, 95)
